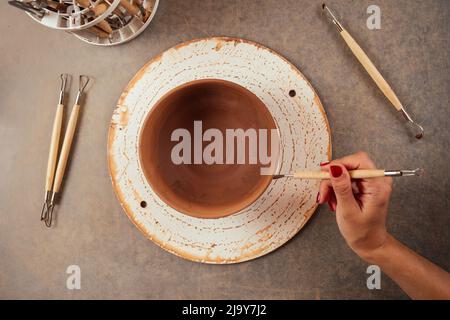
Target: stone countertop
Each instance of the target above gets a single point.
(411, 50)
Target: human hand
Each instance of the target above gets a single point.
(361, 205)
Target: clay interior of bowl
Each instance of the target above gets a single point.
(202, 190)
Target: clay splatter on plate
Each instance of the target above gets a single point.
(285, 206)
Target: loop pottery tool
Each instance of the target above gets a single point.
(47, 211)
(354, 174)
(372, 71)
(54, 143)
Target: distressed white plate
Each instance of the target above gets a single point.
(285, 206)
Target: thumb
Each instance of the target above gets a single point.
(342, 186)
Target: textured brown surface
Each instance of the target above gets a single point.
(411, 50)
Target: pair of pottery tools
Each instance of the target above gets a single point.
(354, 174)
(372, 71)
(54, 178)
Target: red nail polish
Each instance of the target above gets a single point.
(324, 163)
(318, 197)
(336, 171)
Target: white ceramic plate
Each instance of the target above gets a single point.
(285, 206)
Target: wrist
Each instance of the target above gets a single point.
(375, 255)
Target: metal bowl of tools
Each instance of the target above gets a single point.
(99, 22)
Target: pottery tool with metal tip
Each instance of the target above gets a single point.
(53, 152)
(354, 174)
(65, 150)
(372, 71)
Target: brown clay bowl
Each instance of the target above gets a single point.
(203, 190)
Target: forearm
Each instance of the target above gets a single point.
(417, 276)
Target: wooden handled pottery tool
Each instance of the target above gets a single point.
(130, 7)
(98, 10)
(354, 174)
(64, 155)
(53, 152)
(372, 70)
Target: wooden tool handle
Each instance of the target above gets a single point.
(54, 144)
(98, 10)
(131, 8)
(372, 70)
(366, 173)
(354, 174)
(65, 149)
(148, 7)
(98, 32)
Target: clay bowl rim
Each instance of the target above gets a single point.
(233, 209)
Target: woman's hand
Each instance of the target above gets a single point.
(361, 209)
(361, 205)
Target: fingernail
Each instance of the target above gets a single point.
(324, 163)
(336, 171)
(318, 197)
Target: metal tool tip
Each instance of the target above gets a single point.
(412, 123)
(63, 77)
(419, 172)
(44, 211)
(419, 134)
(330, 16)
(83, 82)
(49, 218)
